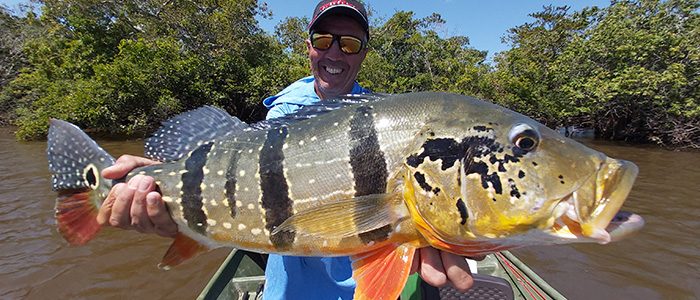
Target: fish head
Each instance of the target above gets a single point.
(512, 181)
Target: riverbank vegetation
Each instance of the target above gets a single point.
(630, 70)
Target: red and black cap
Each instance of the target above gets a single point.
(350, 8)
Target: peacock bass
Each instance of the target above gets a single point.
(368, 176)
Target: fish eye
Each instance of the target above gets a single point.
(524, 137)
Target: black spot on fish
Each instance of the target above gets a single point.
(481, 128)
(510, 159)
(513, 188)
(273, 184)
(420, 178)
(368, 165)
(191, 190)
(482, 169)
(521, 174)
(90, 177)
(448, 150)
(561, 179)
(534, 164)
(501, 168)
(463, 214)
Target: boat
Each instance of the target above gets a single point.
(498, 276)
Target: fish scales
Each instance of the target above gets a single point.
(375, 179)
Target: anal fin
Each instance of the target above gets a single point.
(182, 249)
(382, 273)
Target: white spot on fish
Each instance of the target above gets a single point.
(313, 138)
(227, 225)
(220, 172)
(241, 173)
(157, 171)
(301, 143)
(211, 222)
(213, 203)
(172, 173)
(239, 203)
(335, 124)
(205, 170)
(241, 226)
(256, 231)
(251, 206)
(312, 181)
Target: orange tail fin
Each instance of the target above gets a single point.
(76, 217)
(382, 274)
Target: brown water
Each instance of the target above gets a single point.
(661, 262)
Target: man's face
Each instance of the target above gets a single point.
(335, 72)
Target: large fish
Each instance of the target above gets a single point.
(372, 177)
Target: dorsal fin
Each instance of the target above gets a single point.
(319, 108)
(183, 133)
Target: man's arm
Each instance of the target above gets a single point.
(135, 205)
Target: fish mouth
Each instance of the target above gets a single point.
(592, 212)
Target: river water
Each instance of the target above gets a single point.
(661, 262)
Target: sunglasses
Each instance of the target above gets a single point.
(348, 43)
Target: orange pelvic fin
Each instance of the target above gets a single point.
(76, 216)
(182, 249)
(382, 273)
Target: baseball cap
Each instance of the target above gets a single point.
(350, 8)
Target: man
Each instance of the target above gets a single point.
(337, 46)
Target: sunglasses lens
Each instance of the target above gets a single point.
(321, 41)
(350, 45)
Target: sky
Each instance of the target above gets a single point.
(483, 22)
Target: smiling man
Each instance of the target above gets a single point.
(337, 46)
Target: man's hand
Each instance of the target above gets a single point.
(439, 268)
(135, 204)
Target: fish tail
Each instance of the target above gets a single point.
(76, 163)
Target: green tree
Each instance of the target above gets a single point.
(635, 71)
(408, 55)
(122, 67)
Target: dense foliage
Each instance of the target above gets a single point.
(629, 70)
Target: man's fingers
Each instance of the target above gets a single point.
(121, 209)
(158, 213)
(139, 214)
(431, 269)
(457, 270)
(124, 165)
(105, 210)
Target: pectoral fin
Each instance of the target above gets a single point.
(382, 273)
(345, 218)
